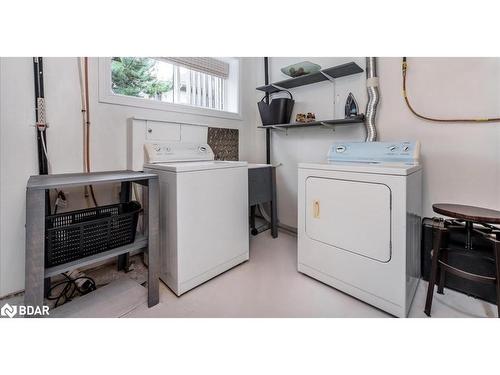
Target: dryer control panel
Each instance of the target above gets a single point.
(177, 152)
(376, 152)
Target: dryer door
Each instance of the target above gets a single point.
(354, 216)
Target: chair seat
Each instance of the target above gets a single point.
(469, 213)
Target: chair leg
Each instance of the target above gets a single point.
(497, 262)
(442, 274)
(436, 247)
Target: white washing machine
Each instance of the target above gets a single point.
(359, 222)
(203, 212)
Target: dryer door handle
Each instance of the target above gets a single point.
(316, 209)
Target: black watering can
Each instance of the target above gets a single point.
(278, 111)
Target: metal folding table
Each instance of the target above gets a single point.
(36, 271)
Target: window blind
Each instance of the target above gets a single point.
(207, 65)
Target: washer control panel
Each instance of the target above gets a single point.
(177, 152)
(375, 152)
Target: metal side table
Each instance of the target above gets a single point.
(35, 269)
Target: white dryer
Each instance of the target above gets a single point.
(359, 222)
(203, 212)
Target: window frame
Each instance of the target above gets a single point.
(106, 95)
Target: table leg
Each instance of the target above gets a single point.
(274, 205)
(47, 283)
(437, 243)
(442, 273)
(35, 248)
(253, 230)
(123, 261)
(496, 249)
(468, 235)
(152, 226)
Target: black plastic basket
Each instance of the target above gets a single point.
(78, 234)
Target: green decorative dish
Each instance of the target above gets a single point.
(300, 69)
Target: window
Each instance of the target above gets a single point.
(187, 84)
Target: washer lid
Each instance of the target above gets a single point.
(191, 166)
(398, 169)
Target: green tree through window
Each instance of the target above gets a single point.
(135, 76)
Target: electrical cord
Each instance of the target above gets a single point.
(404, 66)
(61, 197)
(61, 200)
(44, 146)
(41, 126)
(71, 287)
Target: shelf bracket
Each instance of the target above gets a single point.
(285, 130)
(328, 77)
(278, 88)
(334, 84)
(329, 126)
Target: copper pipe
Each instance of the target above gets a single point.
(404, 66)
(84, 124)
(87, 113)
(87, 124)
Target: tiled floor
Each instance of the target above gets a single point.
(268, 285)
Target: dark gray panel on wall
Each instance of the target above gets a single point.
(224, 143)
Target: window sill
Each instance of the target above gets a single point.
(168, 107)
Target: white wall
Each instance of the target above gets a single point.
(108, 141)
(461, 161)
(17, 162)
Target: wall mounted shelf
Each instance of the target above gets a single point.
(323, 75)
(325, 123)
